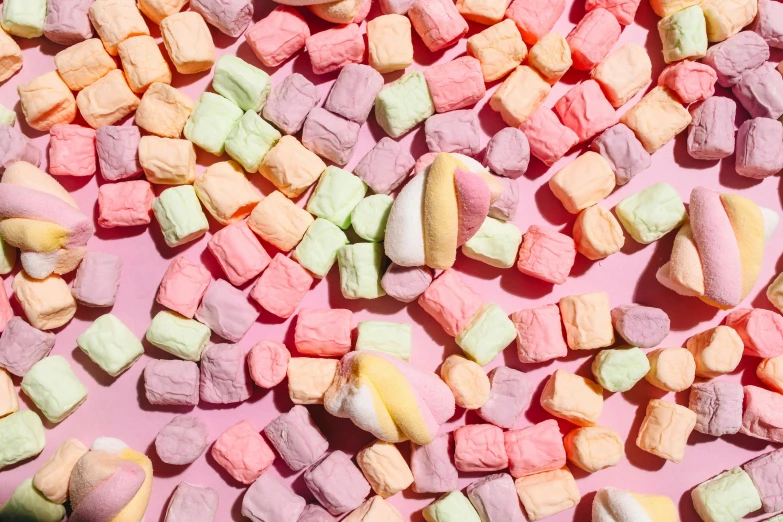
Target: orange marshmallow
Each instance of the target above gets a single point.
(107, 101)
(573, 398)
(143, 63)
(665, 429)
(46, 101)
(770, 372)
(84, 63)
(167, 161)
(47, 303)
(499, 49)
(389, 42)
(226, 193)
(623, 73)
(597, 233)
(519, 95)
(551, 57)
(547, 493)
(485, 12)
(309, 378)
(291, 167)
(583, 183)
(157, 10)
(278, 221)
(716, 351)
(657, 118)
(116, 21)
(588, 321)
(163, 111)
(10, 56)
(671, 369)
(188, 42)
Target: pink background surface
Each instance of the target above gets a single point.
(116, 407)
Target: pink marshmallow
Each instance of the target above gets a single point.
(290, 102)
(71, 150)
(769, 23)
(242, 452)
(330, 136)
(455, 84)
(182, 440)
(192, 503)
(759, 91)
(353, 93)
(424, 161)
(282, 286)
(15, 146)
(97, 279)
(296, 438)
(758, 153)
(743, 52)
(385, 166)
(495, 499)
(473, 197)
(718, 407)
(585, 110)
(766, 472)
(183, 285)
(539, 334)
(625, 154)
(406, 283)
(592, 38)
(21, 346)
(451, 302)
(118, 152)
(456, 131)
(323, 333)
(333, 49)
(690, 81)
(535, 18)
(623, 10)
(505, 207)
(225, 378)
(125, 204)
(315, 513)
(479, 447)
(433, 467)
(226, 311)
(230, 16)
(508, 153)
(711, 132)
(535, 449)
(279, 36)
(762, 417)
(6, 312)
(641, 326)
(549, 139)
(438, 23)
(337, 483)
(171, 382)
(396, 6)
(67, 21)
(509, 395)
(268, 500)
(546, 255)
(760, 330)
(268, 363)
(239, 253)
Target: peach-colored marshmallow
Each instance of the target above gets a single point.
(597, 233)
(115, 21)
(594, 448)
(535, 449)
(760, 330)
(665, 429)
(770, 372)
(535, 18)
(547, 493)
(47, 303)
(657, 118)
(143, 63)
(623, 73)
(84, 63)
(279, 221)
(588, 321)
(239, 253)
(584, 182)
(519, 95)
(46, 101)
(551, 57)
(485, 12)
(726, 18)
(106, 101)
(226, 193)
(157, 10)
(467, 380)
(671, 369)
(10, 56)
(385, 469)
(716, 351)
(592, 38)
(163, 110)
(53, 478)
(389, 42)
(573, 398)
(664, 8)
(167, 161)
(291, 167)
(9, 400)
(309, 378)
(188, 42)
(438, 23)
(499, 48)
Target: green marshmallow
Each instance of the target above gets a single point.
(24, 18)
(361, 270)
(7, 116)
(404, 104)
(451, 507)
(21, 437)
(317, 251)
(180, 216)
(618, 370)
(179, 336)
(54, 388)
(27, 504)
(776, 518)
(7, 257)
(242, 83)
(652, 213)
(110, 345)
(337, 193)
(370, 215)
(684, 34)
(385, 336)
(487, 334)
(726, 498)
(250, 140)
(496, 243)
(211, 122)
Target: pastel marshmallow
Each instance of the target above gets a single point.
(479, 447)
(487, 334)
(665, 430)
(290, 102)
(72, 151)
(182, 440)
(456, 131)
(385, 336)
(333, 49)
(278, 221)
(389, 43)
(384, 468)
(278, 36)
(641, 326)
(157, 10)
(760, 414)
(754, 158)
(769, 373)
(337, 483)
(341, 11)
(46, 101)
(406, 284)
(47, 303)
(11, 55)
(188, 42)
(451, 302)
(116, 21)
(616, 505)
(691, 81)
(551, 56)
(52, 479)
(369, 217)
(546, 255)
(143, 63)
(231, 17)
(242, 452)
(315, 513)
(375, 508)
(767, 24)
(296, 438)
(193, 503)
(438, 23)
(171, 382)
(456, 84)
(403, 104)
(25, 435)
(718, 407)
(330, 136)
(183, 285)
(179, 215)
(584, 182)
(282, 286)
(54, 388)
(226, 193)
(360, 270)
(107, 100)
(494, 498)
(539, 334)
(594, 448)
(764, 471)
(535, 449)
(711, 133)
(17, 147)
(385, 166)
(451, 506)
(354, 92)
(268, 362)
(433, 467)
(520, 94)
(730, 495)
(683, 34)
(226, 311)
(486, 13)
(726, 18)
(588, 321)
(657, 118)
(547, 493)
(225, 378)
(269, 499)
(510, 394)
(317, 251)
(732, 58)
(163, 110)
(118, 152)
(757, 92)
(495, 243)
(21, 346)
(83, 63)
(498, 48)
(337, 193)
(310, 378)
(110, 344)
(623, 73)
(759, 330)
(717, 351)
(242, 83)
(67, 22)
(508, 153)
(573, 398)
(27, 501)
(250, 140)
(467, 380)
(211, 121)
(291, 167)
(549, 140)
(24, 19)
(177, 335)
(9, 400)
(618, 370)
(671, 369)
(585, 110)
(592, 38)
(624, 11)
(652, 213)
(97, 279)
(664, 8)
(535, 18)
(597, 233)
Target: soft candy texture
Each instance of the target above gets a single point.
(21, 346)
(118, 152)
(403, 104)
(409, 403)
(769, 373)
(711, 133)
(53, 477)
(487, 13)
(167, 161)
(505, 207)
(690, 81)
(171, 383)
(337, 483)
(11, 55)
(279, 221)
(767, 23)
(97, 279)
(509, 395)
(7, 116)
(384, 468)
(594, 448)
(269, 499)
(585, 110)
(741, 53)
(549, 140)
(725, 18)
(373, 509)
(25, 435)
(230, 16)
(584, 182)
(452, 506)
(573, 398)
(242, 83)
(183, 285)
(291, 167)
(242, 452)
(404, 240)
(110, 344)
(268, 362)
(70, 63)
(759, 330)
(535, 18)
(432, 466)
(718, 407)
(361, 271)
(587, 320)
(592, 38)
(385, 166)
(479, 448)
(385, 336)
(47, 303)
(520, 94)
(467, 380)
(250, 140)
(54, 388)
(665, 429)
(188, 42)
(179, 214)
(182, 440)
(498, 48)
(278, 36)
(71, 150)
(330, 136)
(353, 93)
(226, 193)
(46, 101)
(657, 118)
(761, 414)
(143, 63)
(652, 213)
(318, 249)
(641, 326)
(27, 503)
(551, 57)
(226, 311)
(455, 84)
(406, 284)
(17, 147)
(315, 513)
(172, 333)
(619, 370)
(370, 215)
(438, 23)
(535, 449)
(225, 378)
(547, 493)
(323, 333)
(539, 334)
(487, 334)
(671, 369)
(106, 101)
(623, 73)
(764, 471)
(211, 121)
(333, 49)
(451, 302)
(494, 498)
(683, 34)
(24, 19)
(290, 102)
(546, 255)
(758, 90)
(9, 400)
(440, 214)
(239, 253)
(282, 286)
(494, 243)
(728, 496)
(508, 153)
(310, 378)
(616, 505)
(456, 131)
(756, 157)
(192, 503)
(296, 438)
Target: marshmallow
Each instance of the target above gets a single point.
(573, 398)
(406, 284)
(546, 255)
(494, 498)
(309, 379)
(188, 42)
(360, 270)
(539, 334)
(551, 56)
(110, 344)
(97, 279)
(498, 48)
(767, 23)
(440, 214)
(183, 285)
(547, 493)
(597, 233)
(535, 18)
(584, 182)
(455, 85)
(71, 150)
(278, 36)
(594, 448)
(171, 382)
(657, 118)
(592, 38)
(372, 510)
(118, 153)
(624, 11)
(487, 334)
(535, 449)
(726, 18)
(384, 468)
(467, 380)
(761, 412)
(619, 370)
(691, 81)
(143, 63)
(278, 221)
(10, 56)
(337, 483)
(711, 134)
(369, 217)
(389, 42)
(764, 471)
(24, 18)
(479, 447)
(211, 122)
(432, 466)
(588, 321)
(642, 326)
(414, 414)
(47, 303)
(718, 407)
(623, 73)
(268, 362)
(290, 102)
(585, 110)
(549, 139)
(282, 286)
(83, 64)
(404, 239)
(46, 101)
(9, 401)
(665, 429)
(385, 336)
(683, 34)
(243, 453)
(758, 90)
(756, 158)
(179, 214)
(291, 167)
(403, 104)
(717, 351)
(25, 437)
(519, 95)
(27, 502)
(451, 302)
(21, 346)
(250, 140)
(67, 21)
(616, 505)
(385, 166)
(157, 10)
(439, 23)
(177, 335)
(337, 193)
(728, 496)
(671, 369)
(759, 330)
(769, 373)
(226, 193)
(54, 388)
(115, 21)
(731, 59)
(52, 479)
(231, 17)
(330, 136)
(396, 6)
(505, 207)
(17, 147)
(451, 506)
(456, 131)
(192, 503)
(318, 249)
(107, 100)
(341, 11)
(495, 243)
(652, 213)
(296, 438)
(182, 440)
(508, 153)
(245, 85)
(225, 378)
(509, 395)
(267, 499)
(664, 8)
(487, 13)
(163, 111)
(226, 311)
(352, 97)
(775, 292)
(333, 49)
(7, 257)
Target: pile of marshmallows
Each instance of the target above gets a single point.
(451, 202)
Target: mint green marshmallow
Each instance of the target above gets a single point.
(54, 388)
(451, 507)
(7, 116)
(652, 213)
(24, 18)
(727, 497)
(404, 104)
(7, 257)
(369, 217)
(250, 140)
(182, 337)
(337, 193)
(361, 270)
(618, 370)
(777, 518)
(487, 334)
(684, 34)
(317, 251)
(385, 336)
(21, 437)
(110, 344)
(496, 243)
(180, 216)
(242, 83)
(27, 504)
(211, 122)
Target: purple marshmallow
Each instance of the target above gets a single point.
(508, 153)
(118, 152)
(433, 466)
(385, 167)
(330, 136)
(711, 132)
(267, 500)
(760, 91)
(495, 499)
(505, 207)
(182, 440)
(337, 483)
(15, 146)
(641, 326)
(353, 93)
(769, 23)
(718, 407)
(171, 382)
(734, 57)
(296, 438)
(290, 102)
(759, 154)
(67, 21)
(406, 283)
(225, 377)
(620, 147)
(315, 513)
(455, 131)
(21, 346)
(232, 17)
(192, 503)
(509, 396)
(97, 279)
(766, 472)
(227, 311)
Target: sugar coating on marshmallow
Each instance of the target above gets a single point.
(291, 167)
(330, 136)
(143, 63)
(549, 140)
(188, 42)
(683, 34)
(226, 311)
(167, 161)
(157, 10)
(467, 381)
(406, 284)
(718, 407)
(389, 42)
(535, 449)
(333, 49)
(21, 346)
(618, 370)
(97, 279)
(597, 233)
(759, 330)
(403, 104)
(479, 447)
(498, 48)
(717, 351)
(755, 158)
(385, 336)
(587, 320)
(652, 213)
(483, 12)
(369, 216)
(520, 94)
(535, 18)
(741, 53)
(107, 100)
(25, 435)
(433, 467)
(182, 440)
(337, 193)
(250, 140)
(226, 193)
(309, 378)
(487, 334)
(494, 498)
(242, 83)
(361, 270)
(118, 152)
(456, 84)
(385, 166)
(116, 21)
(47, 303)
(508, 153)
(456, 131)
(665, 429)
(573, 398)
(211, 122)
(23, 18)
(764, 471)
(82, 64)
(641, 326)
(52, 479)
(539, 334)
(54, 388)
(225, 378)
(451, 302)
(279, 221)
(585, 110)
(231, 17)
(192, 503)
(551, 57)
(451, 506)
(547, 493)
(17, 147)
(269, 499)
(163, 110)
(183, 285)
(27, 501)
(760, 418)
(337, 483)
(290, 102)
(726, 18)
(177, 335)
(592, 38)
(439, 23)
(9, 400)
(623, 73)
(242, 452)
(584, 182)
(671, 369)
(769, 372)
(546, 255)
(296, 438)
(171, 382)
(11, 55)
(690, 81)
(353, 93)
(594, 448)
(657, 118)
(179, 214)
(282, 286)
(317, 251)
(110, 344)
(384, 468)
(46, 101)
(71, 150)
(279, 36)
(730, 495)
(495, 243)
(268, 362)
(711, 133)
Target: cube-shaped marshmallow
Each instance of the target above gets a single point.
(665, 429)
(143, 63)
(657, 118)
(72, 150)
(178, 335)
(547, 493)
(46, 101)
(107, 100)
(244, 84)
(624, 10)
(317, 251)
(117, 149)
(725, 18)
(764, 472)
(683, 34)
(70, 63)
(230, 17)
(487, 334)
(279, 221)
(337, 193)
(188, 42)
(243, 452)
(226, 193)
(546, 255)
(337, 483)
(535, 18)
(384, 468)
(451, 302)
(623, 73)
(361, 270)
(24, 18)
(47, 303)
(163, 110)
(755, 156)
(239, 253)
(24, 431)
(479, 447)
(250, 140)
(548, 139)
(403, 104)
(535, 449)
(711, 133)
(573, 398)
(309, 378)
(623, 151)
(225, 378)
(592, 38)
(353, 94)
(690, 81)
(21, 346)
(539, 334)
(115, 21)
(290, 102)
(330, 136)
(499, 49)
(551, 57)
(226, 311)
(171, 382)
(495, 243)
(519, 95)
(370, 215)
(438, 22)
(650, 214)
(594, 448)
(597, 233)
(67, 21)
(110, 344)
(189, 501)
(157, 10)
(443, 79)
(282, 286)
(97, 279)
(279, 36)
(54, 388)
(758, 90)
(11, 55)
(291, 167)
(718, 407)
(333, 49)
(296, 438)
(728, 496)
(585, 110)
(211, 121)
(389, 42)
(179, 214)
